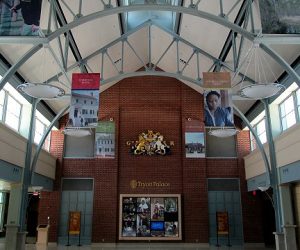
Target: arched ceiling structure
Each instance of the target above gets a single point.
(182, 39)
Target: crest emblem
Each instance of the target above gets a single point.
(150, 143)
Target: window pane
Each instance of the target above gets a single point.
(13, 112)
(2, 96)
(290, 119)
(289, 105)
(288, 116)
(39, 131)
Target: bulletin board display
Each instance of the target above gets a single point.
(150, 217)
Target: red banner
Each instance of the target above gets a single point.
(85, 81)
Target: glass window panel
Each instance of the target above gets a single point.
(13, 112)
(290, 119)
(2, 96)
(263, 138)
(289, 105)
(288, 116)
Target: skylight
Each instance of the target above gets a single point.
(167, 19)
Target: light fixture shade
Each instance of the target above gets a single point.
(261, 91)
(42, 91)
(77, 132)
(223, 132)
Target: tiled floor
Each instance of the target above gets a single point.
(137, 246)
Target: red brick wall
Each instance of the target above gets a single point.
(160, 104)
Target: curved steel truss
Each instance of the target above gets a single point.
(245, 29)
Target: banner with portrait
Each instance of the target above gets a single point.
(20, 17)
(105, 139)
(194, 139)
(280, 17)
(218, 108)
(74, 222)
(84, 100)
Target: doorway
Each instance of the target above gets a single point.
(77, 196)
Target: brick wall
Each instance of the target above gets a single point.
(160, 104)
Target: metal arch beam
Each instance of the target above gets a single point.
(143, 25)
(116, 10)
(150, 73)
(259, 144)
(281, 61)
(20, 62)
(39, 147)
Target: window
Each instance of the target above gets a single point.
(260, 129)
(298, 101)
(40, 129)
(287, 112)
(2, 99)
(2, 204)
(13, 113)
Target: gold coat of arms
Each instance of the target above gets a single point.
(150, 143)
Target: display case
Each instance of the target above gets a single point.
(150, 217)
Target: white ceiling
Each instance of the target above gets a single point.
(97, 33)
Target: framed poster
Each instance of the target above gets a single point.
(222, 223)
(105, 140)
(150, 217)
(74, 222)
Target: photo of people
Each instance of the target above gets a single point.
(170, 205)
(146, 217)
(129, 225)
(157, 209)
(171, 229)
(218, 108)
(143, 205)
(20, 17)
(143, 224)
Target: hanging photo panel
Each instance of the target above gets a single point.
(150, 217)
(20, 17)
(194, 139)
(84, 100)
(218, 110)
(280, 17)
(105, 140)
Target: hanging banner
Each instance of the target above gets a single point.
(218, 108)
(74, 222)
(105, 140)
(216, 80)
(20, 17)
(222, 223)
(84, 100)
(280, 17)
(194, 139)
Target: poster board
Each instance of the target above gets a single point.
(222, 223)
(150, 217)
(74, 222)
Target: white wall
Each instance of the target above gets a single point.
(287, 148)
(13, 149)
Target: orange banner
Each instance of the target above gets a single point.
(216, 80)
(74, 222)
(222, 223)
